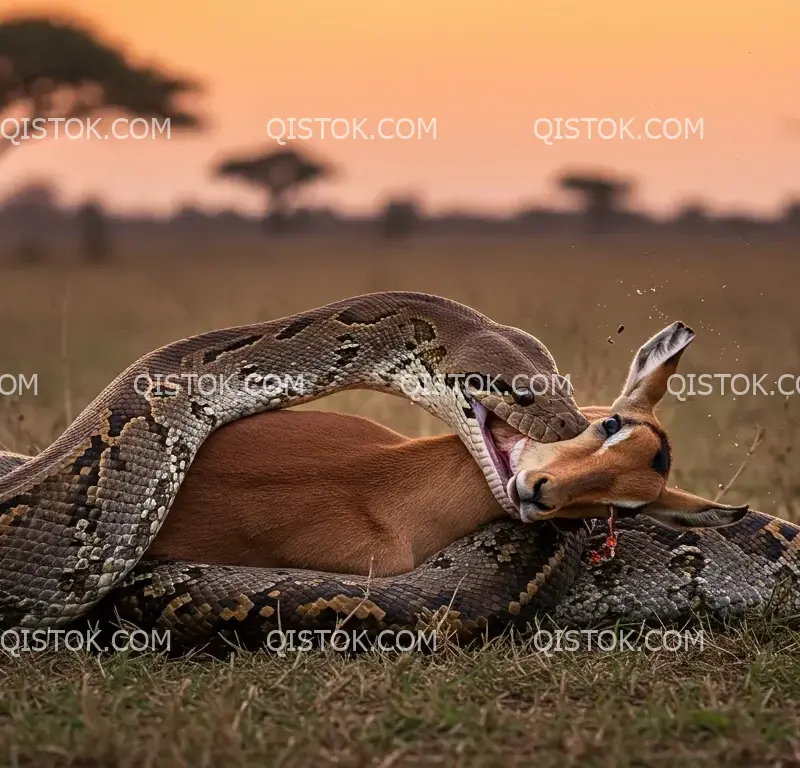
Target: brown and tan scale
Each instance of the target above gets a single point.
(75, 520)
(78, 517)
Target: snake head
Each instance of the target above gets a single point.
(513, 376)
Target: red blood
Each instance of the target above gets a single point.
(609, 548)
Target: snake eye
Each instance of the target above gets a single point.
(523, 396)
(612, 425)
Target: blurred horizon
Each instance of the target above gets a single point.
(485, 76)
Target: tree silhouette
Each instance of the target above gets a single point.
(602, 197)
(791, 216)
(93, 226)
(32, 209)
(692, 218)
(399, 218)
(280, 175)
(55, 69)
(32, 196)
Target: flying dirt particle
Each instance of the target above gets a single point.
(621, 329)
(610, 340)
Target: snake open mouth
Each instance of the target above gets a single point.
(499, 439)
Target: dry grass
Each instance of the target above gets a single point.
(504, 704)
(735, 702)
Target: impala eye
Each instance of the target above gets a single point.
(611, 425)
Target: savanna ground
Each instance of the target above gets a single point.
(735, 701)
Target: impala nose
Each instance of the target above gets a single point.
(530, 489)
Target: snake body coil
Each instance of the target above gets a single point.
(506, 574)
(75, 520)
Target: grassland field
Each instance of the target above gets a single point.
(735, 702)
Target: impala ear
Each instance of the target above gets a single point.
(652, 366)
(679, 509)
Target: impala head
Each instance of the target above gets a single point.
(622, 459)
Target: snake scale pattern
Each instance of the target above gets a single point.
(76, 519)
(506, 574)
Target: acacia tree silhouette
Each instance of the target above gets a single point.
(400, 217)
(280, 175)
(56, 69)
(602, 197)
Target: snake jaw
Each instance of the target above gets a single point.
(501, 460)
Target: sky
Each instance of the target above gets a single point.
(492, 76)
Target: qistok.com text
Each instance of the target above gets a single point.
(283, 641)
(18, 641)
(17, 130)
(616, 640)
(683, 386)
(15, 384)
(270, 384)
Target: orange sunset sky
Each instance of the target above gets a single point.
(486, 72)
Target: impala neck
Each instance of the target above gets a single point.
(440, 402)
(447, 496)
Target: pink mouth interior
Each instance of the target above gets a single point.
(500, 439)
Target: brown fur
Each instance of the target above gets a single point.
(327, 491)
(338, 493)
(581, 472)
